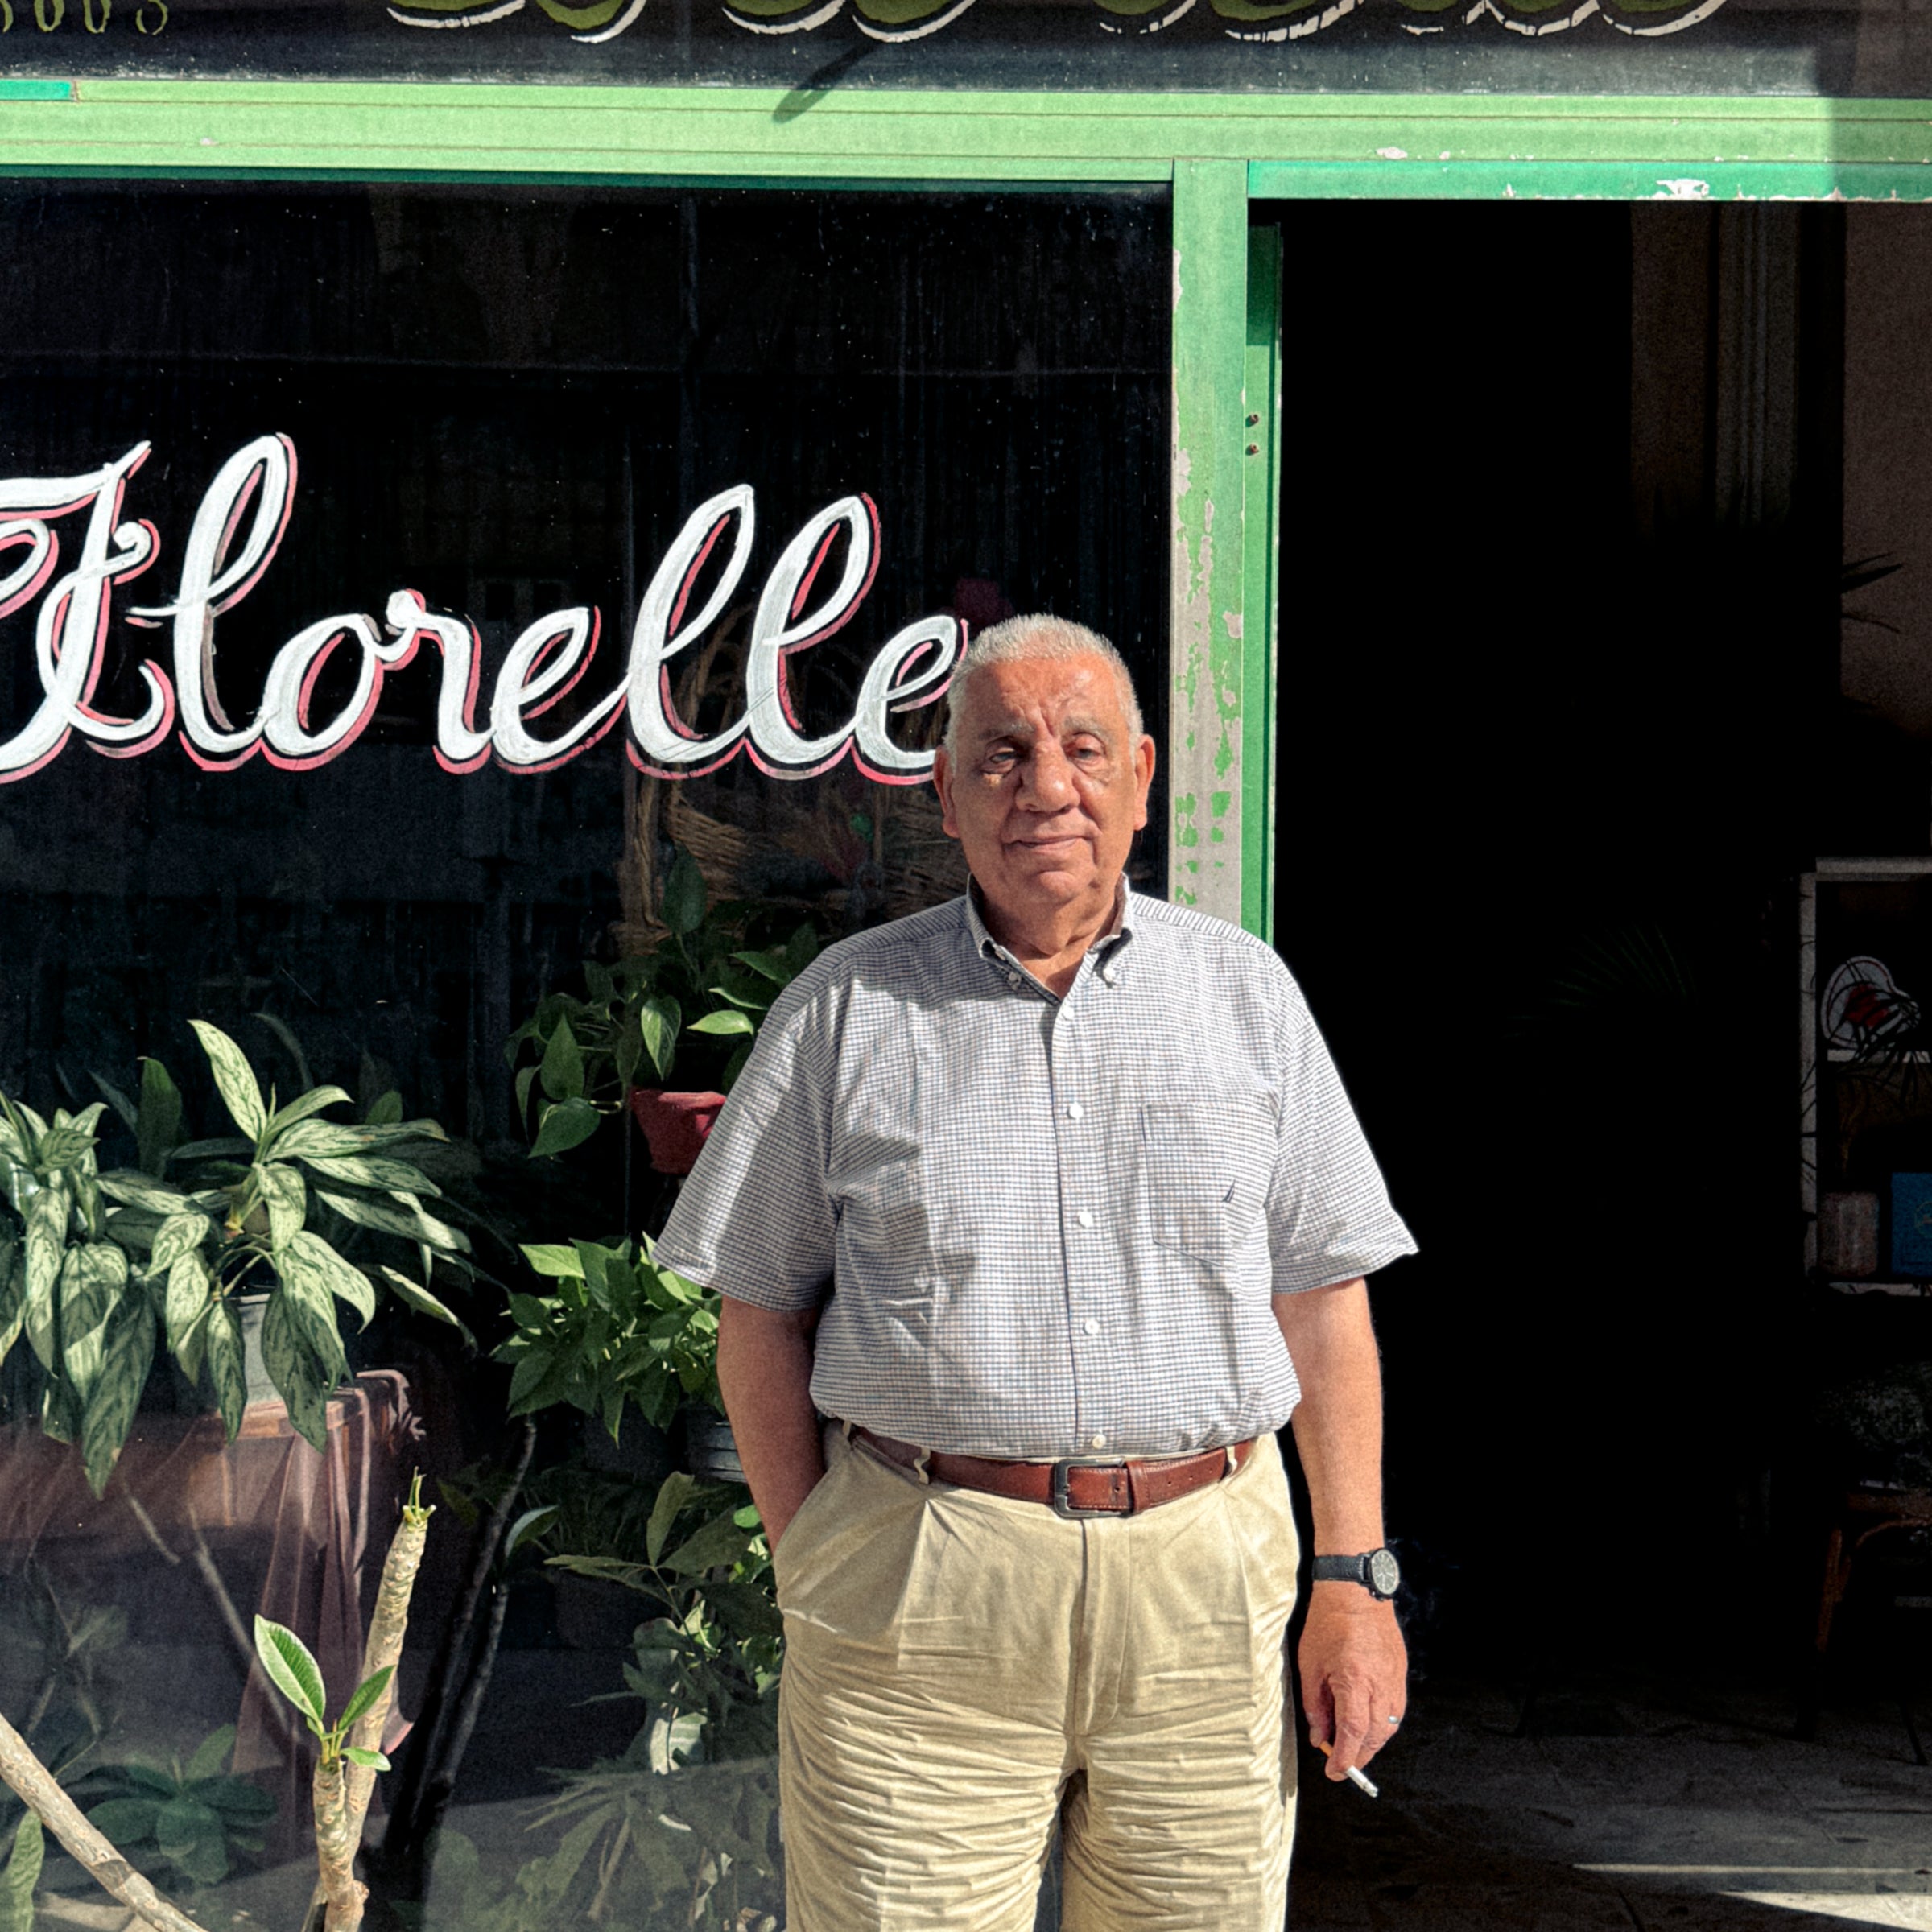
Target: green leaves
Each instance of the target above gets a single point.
(189, 1834)
(70, 1143)
(726, 1022)
(191, 1817)
(720, 1542)
(211, 1754)
(22, 1876)
(295, 1673)
(313, 1269)
(126, 1357)
(659, 1019)
(184, 1310)
(45, 1249)
(420, 1298)
(140, 1190)
(194, 1817)
(157, 1119)
(95, 1269)
(295, 1368)
(284, 1194)
(373, 1171)
(311, 1102)
(617, 1329)
(686, 898)
(673, 1493)
(568, 1124)
(92, 1277)
(563, 1065)
(241, 1092)
(292, 1669)
(406, 1218)
(329, 1140)
(226, 1366)
(125, 1821)
(301, 1347)
(366, 1696)
(634, 1023)
(177, 1238)
(706, 1669)
(13, 1294)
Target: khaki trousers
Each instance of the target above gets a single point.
(961, 1668)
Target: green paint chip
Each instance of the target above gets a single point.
(1217, 836)
(36, 90)
(1218, 802)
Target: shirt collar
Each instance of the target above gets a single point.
(1119, 930)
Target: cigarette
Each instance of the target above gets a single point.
(1354, 1776)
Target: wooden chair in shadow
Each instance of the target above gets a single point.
(1863, 1515)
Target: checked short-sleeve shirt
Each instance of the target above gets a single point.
(1040, 1227)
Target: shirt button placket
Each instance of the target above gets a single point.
(1083, 1181)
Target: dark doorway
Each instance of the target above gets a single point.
(1559, 572)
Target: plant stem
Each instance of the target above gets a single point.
(336, 1846)
(383, 1649)
(36, 1787)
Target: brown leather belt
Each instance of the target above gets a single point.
(1069, 1488)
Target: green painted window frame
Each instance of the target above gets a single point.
(1217, 154)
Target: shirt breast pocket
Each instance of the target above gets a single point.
(1207, 1166)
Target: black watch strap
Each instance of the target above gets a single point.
(1375, 1570)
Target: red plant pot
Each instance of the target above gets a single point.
(673, 1124)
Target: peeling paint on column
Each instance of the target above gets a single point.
(1205, 613)
(1186, 832)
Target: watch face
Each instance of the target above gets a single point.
(1385, 1573)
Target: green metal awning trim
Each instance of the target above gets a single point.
(1677, 180)
(1296, 145)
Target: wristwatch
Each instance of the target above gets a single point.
(1377, 1570)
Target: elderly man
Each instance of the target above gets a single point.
(1035, 1216)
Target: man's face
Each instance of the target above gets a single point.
(1048, 786)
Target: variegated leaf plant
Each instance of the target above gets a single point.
(97, 1267)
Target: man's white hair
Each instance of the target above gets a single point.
(1022, 639)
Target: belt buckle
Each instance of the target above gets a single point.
(1063, 1505)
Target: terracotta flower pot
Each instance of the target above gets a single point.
(675, 1124)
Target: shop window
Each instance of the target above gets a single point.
(468, 415)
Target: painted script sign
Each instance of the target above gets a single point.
(240, 524)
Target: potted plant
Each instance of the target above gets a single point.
(685, 1012)
(98, 1267)
(616, 1329)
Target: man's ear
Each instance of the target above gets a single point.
(1143, 777)
(942, 783)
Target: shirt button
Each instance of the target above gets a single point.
(1084, 1219)
(1096, 1442)
(1091, 1326)
(1075, 1110)
(1107, 974)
